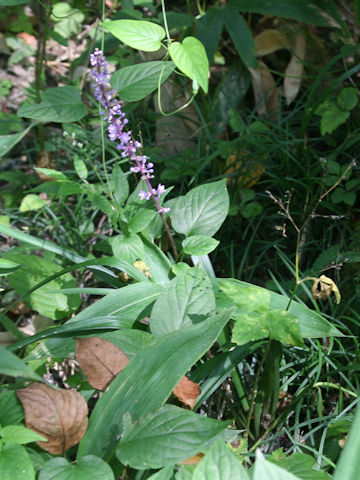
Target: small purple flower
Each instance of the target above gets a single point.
(116, 123)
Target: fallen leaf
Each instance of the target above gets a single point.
(100, 360)
(294, 70)
(242, 171)
(58, 415)
(269, 41)
(265, 91)
(187, 392)
(194, 460)
(45, 160)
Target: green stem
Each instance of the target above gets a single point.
(165, 22)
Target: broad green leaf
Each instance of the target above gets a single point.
(219, 464)
(199, 245)
(137, 81)
(100, 202)
(202, 210)
(295, 9)
(67, 20)
(264, 470)
(209, 28)
(158, 263)
(7, 266)
(7, 142)
(348, 98)
(191, 59)
(129, 248)
(187, 299)
(167, 436)
(301, 465)
(12, 366)
(137, 34)
(262, 323)
(80, 168)
(59, 104)
(333, 118)
(119, 185)
(8, 3)
(253, 299)
(11, 411)
(166, 473)
(87, 468)
(130, 341)
(31, 202)
(35, 269)
(240, 35)
(15, 463)
(19, 434)
(147, 381)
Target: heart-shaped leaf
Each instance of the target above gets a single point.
(87, 468)
(138, 34)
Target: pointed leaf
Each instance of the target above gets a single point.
(19, 434)
(59, 104)
(58, 415)
(137, 81)
(190, 57)
(137, 34)
(199, 245)
(88, 468)
(294, 70)
(12, 366)
(148, 380)
(209, 28)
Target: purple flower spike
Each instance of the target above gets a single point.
(116, 123)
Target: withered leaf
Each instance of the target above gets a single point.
(194, 460)
(270, 41)
(187, 392)
(100, 360)
(58, 415)
(293, 73)
(265, 90)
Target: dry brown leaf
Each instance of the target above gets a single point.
(242, 171)
(45, 160)
(294, 70)
(270, 41)
(100, 360)
(187, 392)
(58, 415)
(265, 91)
(193, 460)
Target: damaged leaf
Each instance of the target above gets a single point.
(187, 392)
(58, 415)
(100, 360)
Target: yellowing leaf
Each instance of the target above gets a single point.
(265, 91)
(58, 415)
(294, 70)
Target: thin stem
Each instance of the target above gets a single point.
(165, 22)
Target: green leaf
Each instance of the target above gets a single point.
(80, 168)
(295, 9)
(348, 466)
(52, 173)
(137, 81)
(129, 248)
(202, 210)
(7, 266)
(166, 473)
(167, 436)
(251, 209)
(332, 117)
(219, 464)
(10, 3)
(12, 366)
(209, 28)
(191, 59)
(253, 299)
(7, 142)
(348, 98)
(35, 269)
(240, 35)
(100, 202)
(87, 468)
(130, 341)
(264, 470)
(199, 245)
(67, 20)
(187, 299)
(19, 434)
(11, 411)
(119, 185)
(301, 465)
(277, 324)
(31, 202)
(59, 104)
(137, 34)
(147, 381)
(340, 195)
(15, 463)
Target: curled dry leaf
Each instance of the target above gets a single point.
(187, 392)
(270, 41)
(100, 360)
(294, 70)
(193, 460)
(265, 91)
(58, 415)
